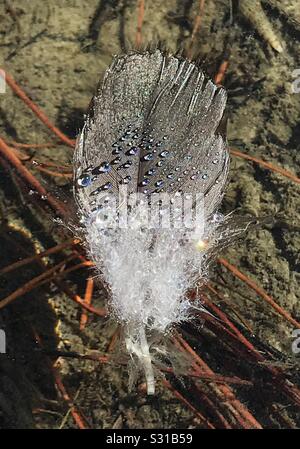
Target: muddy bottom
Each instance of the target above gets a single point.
(58, 51)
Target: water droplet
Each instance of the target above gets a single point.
(84, 181)
(188, 157)
(106, 186)
(133, 151)
(160, 163)
(170, 176)
(115, 161)
(215, 161)
(193, 177)
(148, 157)
(145, 182)
(164, 153)
(150, 172)
(185, 172)
(127, 164)
(205, 176)
(177, 169)
(117, 150)
(97, 208)
(126, 179)
(159, 183)
(102, 168)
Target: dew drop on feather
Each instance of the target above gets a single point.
(84, 181)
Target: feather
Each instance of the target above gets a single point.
(151, 135)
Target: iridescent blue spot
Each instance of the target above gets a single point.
(84, 180)
(159, 183)
(145, 182)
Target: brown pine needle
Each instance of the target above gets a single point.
(221, 72)
(78, 300)
(79, 420)
(268, 165)
(37, 257)
(196, 27)
(88, 300)
(35, 282)
(141, 12)
(241, 413)
(55, 173)
(26, 175)
(27, 146)
(36, 110)
(259, 291)
(179, 396)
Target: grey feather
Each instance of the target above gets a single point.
(153, 124)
